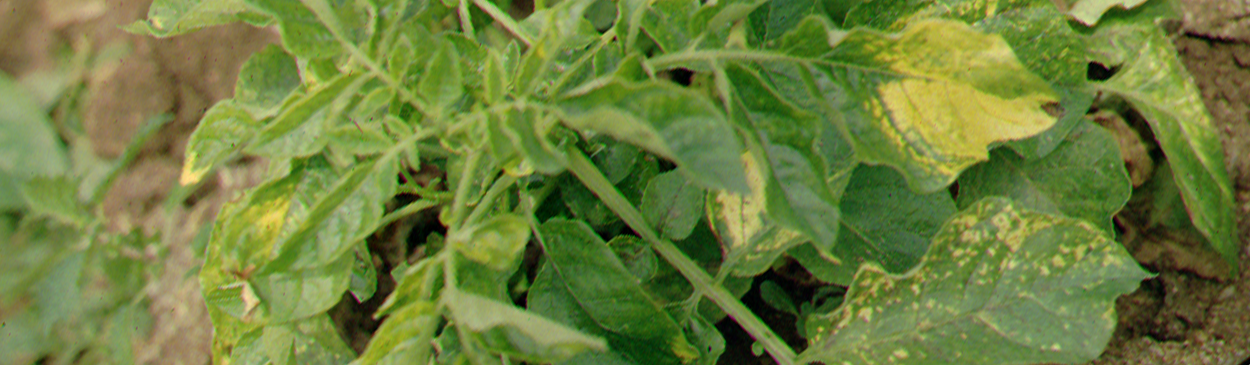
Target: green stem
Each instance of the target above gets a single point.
(596, 182)
(460, 203)
(466, 22)
(505, 21)
(501, 184)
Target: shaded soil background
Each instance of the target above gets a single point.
(1184, 316)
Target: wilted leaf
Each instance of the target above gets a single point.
(1155, 82)
(666, 120)
(999, 285)
(516, 332)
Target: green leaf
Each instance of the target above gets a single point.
(883, 222)
(516, 332)
(297, 131)
(167, 18)
(496, 243)
(550, 297)
(398, 340)
(605, 289)
(1084, 178)
(225, 129)
(999, 285)
(1089, 11)
(56, 198)
(364, 281)
(672, 205)
(667, 120)
(265, 80)
(307, 36)
(29, 146)
(417, 279)
(797, 193)
(1155, 82)
(442, 84)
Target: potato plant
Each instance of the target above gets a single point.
(930, 156)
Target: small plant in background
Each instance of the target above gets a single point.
(71, 291)
(660, 155)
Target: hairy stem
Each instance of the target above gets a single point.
(596, 182)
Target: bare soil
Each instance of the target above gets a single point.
(1186, 315)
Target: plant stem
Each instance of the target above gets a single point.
(460, 203)
(596, 182)
(506, 21)
(501, 184)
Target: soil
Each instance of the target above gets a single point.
(1186, 315)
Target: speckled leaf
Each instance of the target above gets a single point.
(797, 194)
(667, 120)
(167, 18)
(297, 131)
(934, 112)
(999, 285)
(225, 129)
(609, 294)
(517, 333)
(1084, 178)
(313, 341)
(672, 204)
(882, 222)
(1155, 82)
(265, 80)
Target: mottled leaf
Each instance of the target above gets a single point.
(1084, 178)
(265, 80)
(751, 239)
(496, 243)
(1155, 82)
(999, 285)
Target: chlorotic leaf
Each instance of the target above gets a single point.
(1089, 11)
(1155, 82)
(522, 334)
(666, 120)
(225, 129)
(1083, 178)
(748, 235)
(999, 285)
(496, 243)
